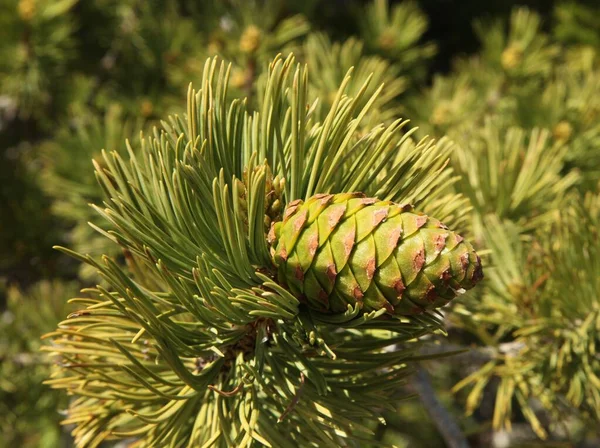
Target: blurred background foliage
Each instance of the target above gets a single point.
(514, 85)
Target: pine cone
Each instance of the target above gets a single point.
(335, 250)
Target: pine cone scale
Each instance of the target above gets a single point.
(342, 242)
(328, 220)
(386, 238)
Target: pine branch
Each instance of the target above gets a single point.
(224, 317)
(474, 355)
(443, 420)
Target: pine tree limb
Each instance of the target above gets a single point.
(443, 420)
(474, 355)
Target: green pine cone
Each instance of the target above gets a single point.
(340, 249)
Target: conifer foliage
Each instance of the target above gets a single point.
(203, 344)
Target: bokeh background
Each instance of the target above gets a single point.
(80, 76)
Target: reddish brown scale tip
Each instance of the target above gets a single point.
(300, 221)
(358, 294)
(299, 273)
(459, 239)
(419, 260)
(388, 307)
(271, 237)
(349, 242)
(368, 201)
(395, 236)
(399, 287)
(379, 215)
(331, 273)
(291, 209)
(324, 297)
(431, 295)
(478, 271)
(324, 199)
(421, 221)
(283, 252)
(313, 244)
(335, 215)
(371, 268)
(446, 275)
(464, 260)
(440, 242)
